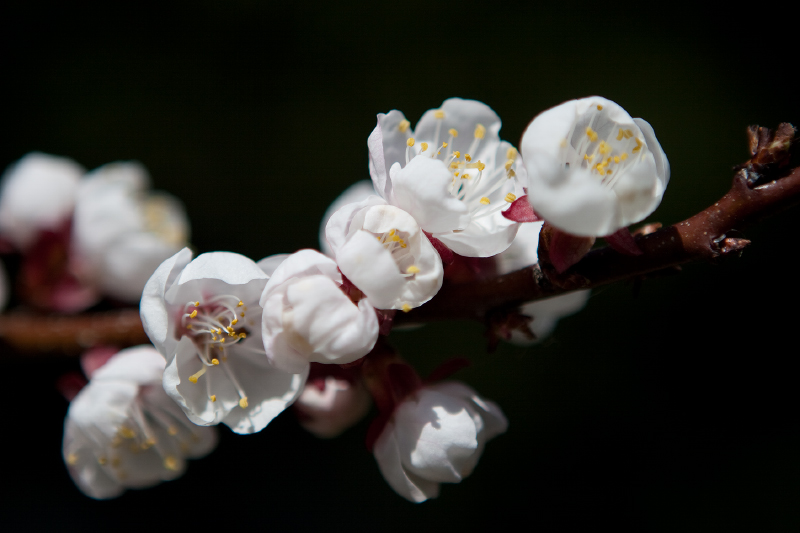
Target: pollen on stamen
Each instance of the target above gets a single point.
(591, 134)
(511, 153)
(467, 158)
(126, 432)
(480, 166)
(234, 321)
(604, 148)
(410, 142)
(509, 164)
(453, 132)
(243, 403)
(170, 463)
(194, 377)
(599, 107)
(413, 269)
(215, 361)
(424, 146)
(403, 126)
(623, 156)
(638, 145)
(406, 307)
(438, 114)
(213, 397)
(456, 154)
(511, 173)
(485, 201)
(510, 197)
(616, 159)
(444, 145)
(480, 131)
(194, 314)
(242, 335)
(620, 135)
(196, 303)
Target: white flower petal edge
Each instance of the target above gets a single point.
(460, 197)
(383, 251)
(122, 232)
(123, 431)
(307, 318)
(37, 193)
(592, 168)
(204, 318)
(436, 436)
(358, 191)
(328, 411)
(522, 253)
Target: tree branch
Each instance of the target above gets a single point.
(766, 184)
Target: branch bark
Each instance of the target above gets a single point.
(766, 184)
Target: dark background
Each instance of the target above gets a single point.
(671, 410)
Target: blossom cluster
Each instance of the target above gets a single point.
(240, 341)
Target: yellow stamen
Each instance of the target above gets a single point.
(616, 159)
(170, 463)
(424, 146)
(241, 303)
(480, 131)
(413, 269)
(243, 403)
(403, 126)
(480, 166)
(456, 154)
(406, 308)
(628, 134)
(511, 173)
(444, 145)
(242, 335)
(485, 201)
(194, 377)
(638, 145)
(234, 321)
(72, 459)
(215, 361)
(453, 132)
(599, 108)
(188, 326)
(623, 156)
(222, 340)
(126, 432)
(591, 134)
(438, 113)
(588, 157)
(604, 148)
(509, 164)
(467, 158)
(620, 135)
(511, 153)
(194, 314)
(510, 197)
(410, 142)
(213, 397)
(196, 304)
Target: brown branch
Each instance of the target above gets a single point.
(765, 185)
(768, 183)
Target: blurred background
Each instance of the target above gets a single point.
(670, 409)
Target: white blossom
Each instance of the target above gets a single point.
(122, 430)
(328, 408)
(522, 253)
(307, 318)
(452, 173)
(122, 231)
(436, 436)
(37, 194)
(383, 251)
(592, 168)
(204, 318)
(358, 191)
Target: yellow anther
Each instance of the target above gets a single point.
(406, 308)
(215, 361)
(480, 131)
(72, 459)
(444, 145)
(604, 148)
(222, 340)
(149, 443)
(126, 432)
(424, 146)
(234, 321)
(623, 156)
(456, 173)
(510, 197)
(453, 132)
(413, 269)
(188, 326)
(395, 238)
(213, 397)
(599, 107)
(620, 135)
(403, 245)
(485, 201)
(194, 314)
(616, 159)
(243, 403)
(588, 157)
(241, 303)
(511, 153)
(410, 142)
(102, 460)
(242, 335)
(480, 166)
(241, 314)
(608, 171)
(456, 154)
(196, 304)
(213, 337)
(403, 126)
(230, 331)
(170, 463)
(467, 158)
(194, 377)
(172, 430)
(438, 113)
(219, 331)
(511, 173)
(391, 231)
(591, 134)
(628, 134)
(638, 145)
(509, 164)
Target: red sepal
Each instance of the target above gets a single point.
(444, 252)
(566, 249)
(521, 211)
